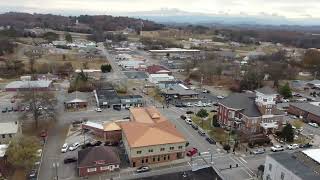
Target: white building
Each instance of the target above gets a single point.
(7, 131)
(132, 64)
(156, 78)
(302, 165)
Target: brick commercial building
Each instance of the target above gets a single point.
(157, 69)
(251, 113)
(308, 111)
(149, 138)
(96, 160)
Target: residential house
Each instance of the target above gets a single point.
(96, 160)
(251, 112)
(300, 165)
(149, 138)
(132, 64)
(308, 111)
(8, 130)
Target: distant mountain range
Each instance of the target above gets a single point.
(176, 16)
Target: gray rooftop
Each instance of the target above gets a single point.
(299, 168)
(179, 90)
(266, 90)
(314, 82)
(307, 107)
(244, 102)
(81, 96)
(29, 84)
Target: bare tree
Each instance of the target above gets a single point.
(41, 106)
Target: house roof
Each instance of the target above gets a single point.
(9, 127)
(97, 156)
(296, 166)
(111, 126)
(154, 69)
(266, 90)
(307, 107)
(142, 135)
(29, 84)
(244, 102)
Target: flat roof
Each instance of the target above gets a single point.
(313, 109)
(168, 50)
(9, 127)
(29, 84)
(298, 164)
(313, 154)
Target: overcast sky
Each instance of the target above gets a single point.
(287, 8)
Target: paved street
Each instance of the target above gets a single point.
(247, 164)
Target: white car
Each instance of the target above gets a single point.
(314, 125)
(189, 105)
(74, 146)
(98, 110)
(64, 148)
(188, 121)
(293, 146)
(209, 104)
(276, 148)
(39, 152)
(220, 97)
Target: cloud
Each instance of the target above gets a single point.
(287, 8)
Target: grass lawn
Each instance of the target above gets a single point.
(219, 134)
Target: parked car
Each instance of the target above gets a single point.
(5, 110)
(258, 151)
(189, 105)
(15, 109)
(70, 160)
(65, 148)
(209, 104)
(201, 132)
(96, 143)
(183, 117)
(276, 148)
(143, 169)
(189, 112)
(210, 140)
(98, 110)
(308, 145)
(32, 174)
(188, 121)
(205, 91)
(192, 152)
(220, 97)
(194, 126)
(39, 152)
(293, 146)
(10, 109)
(74, 146)
(181, 105)
(111, 143)
(313, 124)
